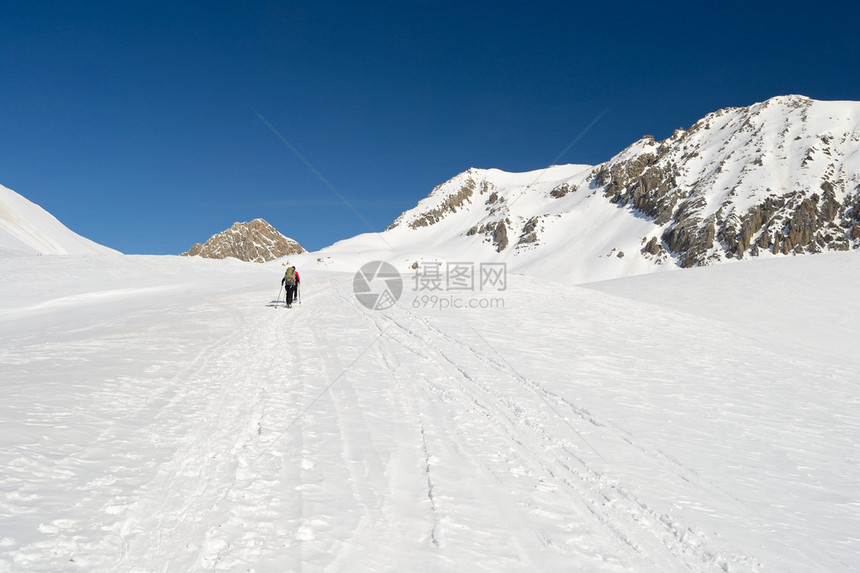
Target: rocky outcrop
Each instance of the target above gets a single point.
(562, 190)
(497, 231)
(642, 182)
(707, 188)
(690, 239)
(529, 234)
(450, 203)
(255, 241)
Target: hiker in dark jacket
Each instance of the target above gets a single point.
(291, 283)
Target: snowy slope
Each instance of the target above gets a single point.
(26, 229)
(573, 236)
(160, 413)
(777, 178)
(780, 293)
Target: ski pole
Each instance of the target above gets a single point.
(278, 299)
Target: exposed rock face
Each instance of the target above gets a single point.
(562, 190)
(530, 232)
(256, 241)
(497, 231)
(450, 204)
(652, 248)
(746, 179)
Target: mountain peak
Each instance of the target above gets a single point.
(773, 177)
(776, 178)
(254, 241)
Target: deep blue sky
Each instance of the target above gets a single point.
(135, 123)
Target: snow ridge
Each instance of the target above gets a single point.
(27, 229)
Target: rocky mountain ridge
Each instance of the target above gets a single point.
(775, 178)
(255, 241)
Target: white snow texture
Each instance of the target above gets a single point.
(160, 414)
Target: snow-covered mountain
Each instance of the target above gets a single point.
(255, 241)
(776, 178)
(781, 176)
(27, 229)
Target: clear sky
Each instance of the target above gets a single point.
(149, 126)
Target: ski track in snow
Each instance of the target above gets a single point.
(571, 500)
(331, 438)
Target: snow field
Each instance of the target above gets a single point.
(162, 413)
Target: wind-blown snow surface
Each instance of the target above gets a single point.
(27, 229)
(160, 414)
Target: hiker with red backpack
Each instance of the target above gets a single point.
(291, 283)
